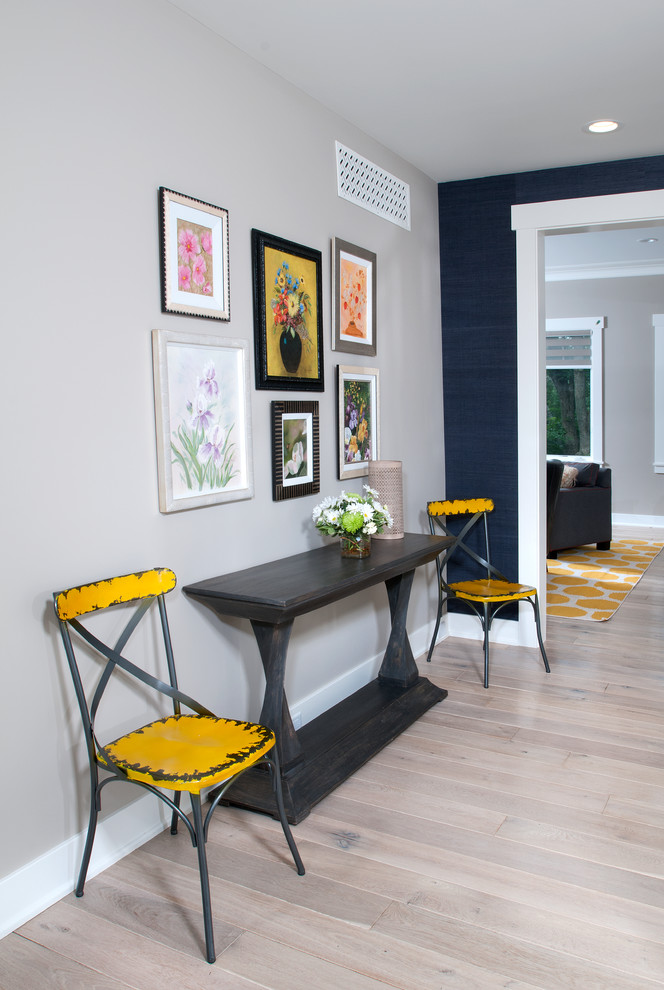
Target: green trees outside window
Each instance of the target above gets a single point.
(568, 411)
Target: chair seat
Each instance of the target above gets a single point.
(188, 752)
(488, 590)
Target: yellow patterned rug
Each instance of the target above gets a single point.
(586, 583)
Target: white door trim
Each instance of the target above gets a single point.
(532, 221)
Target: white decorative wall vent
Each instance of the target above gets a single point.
(371, 187)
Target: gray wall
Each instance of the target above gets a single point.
(108, 102)
(628, 304)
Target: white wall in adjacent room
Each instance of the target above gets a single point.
(628, 304)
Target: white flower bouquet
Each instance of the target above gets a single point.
(350, 514)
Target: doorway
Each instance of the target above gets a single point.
(532, 222)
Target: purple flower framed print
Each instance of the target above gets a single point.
(295, 450)
(357, 411)
(195, 269)
(353, 298)
(203, 419)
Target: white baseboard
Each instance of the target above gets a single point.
(506, 631)
(335, 691)
(44, 881)
(626, 519)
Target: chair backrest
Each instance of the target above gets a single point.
(74, 602)
(142, 589)
(478, 551)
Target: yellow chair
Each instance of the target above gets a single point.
(179, 752)
(487, 595)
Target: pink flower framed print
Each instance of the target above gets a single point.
(353, 298)
(195, 270)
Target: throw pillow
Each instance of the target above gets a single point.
(587, 475)
(569, 476)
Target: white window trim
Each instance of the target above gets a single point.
(593, 326)
(658, 330)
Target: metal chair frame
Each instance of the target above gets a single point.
(198, 830)
(502, 592)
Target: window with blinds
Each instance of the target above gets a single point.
(569, 350)
(574, 420)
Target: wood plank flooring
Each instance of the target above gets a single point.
(512, 838)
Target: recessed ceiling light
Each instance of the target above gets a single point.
(648, 240)
(602, 126)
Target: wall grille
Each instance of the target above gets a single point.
(371, 187)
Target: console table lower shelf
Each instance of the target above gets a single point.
(336, 744)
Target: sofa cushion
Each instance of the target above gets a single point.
(587, 473)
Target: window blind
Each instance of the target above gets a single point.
(569, 350)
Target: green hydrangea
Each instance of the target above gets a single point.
(352, 521)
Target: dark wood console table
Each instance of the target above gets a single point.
(327, 750)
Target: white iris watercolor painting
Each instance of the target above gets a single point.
(204, 435)
(202, 442)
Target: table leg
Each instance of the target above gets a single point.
(272, 642)
(332, 746)
(399, 667)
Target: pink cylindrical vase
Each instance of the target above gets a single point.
(386, 478)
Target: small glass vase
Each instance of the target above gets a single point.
(355, 545)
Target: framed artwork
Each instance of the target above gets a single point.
(288, 319)
(353, 298)
(195, 270)
(295, 450)
(203, 419)
(357, 411)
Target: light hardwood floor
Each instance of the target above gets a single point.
(513, 837)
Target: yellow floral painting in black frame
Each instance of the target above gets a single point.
(287, 314)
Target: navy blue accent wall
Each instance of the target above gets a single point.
(478, 300)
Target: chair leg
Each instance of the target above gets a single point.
(535, 603)
(87, 852)
(486, 625)
(95, 805)
(435, 632)
(275, 771)
(174, 817)
(205, 879)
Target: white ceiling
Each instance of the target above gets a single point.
(624, 251)
(467, 88)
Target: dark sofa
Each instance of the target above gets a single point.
(580, 514)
